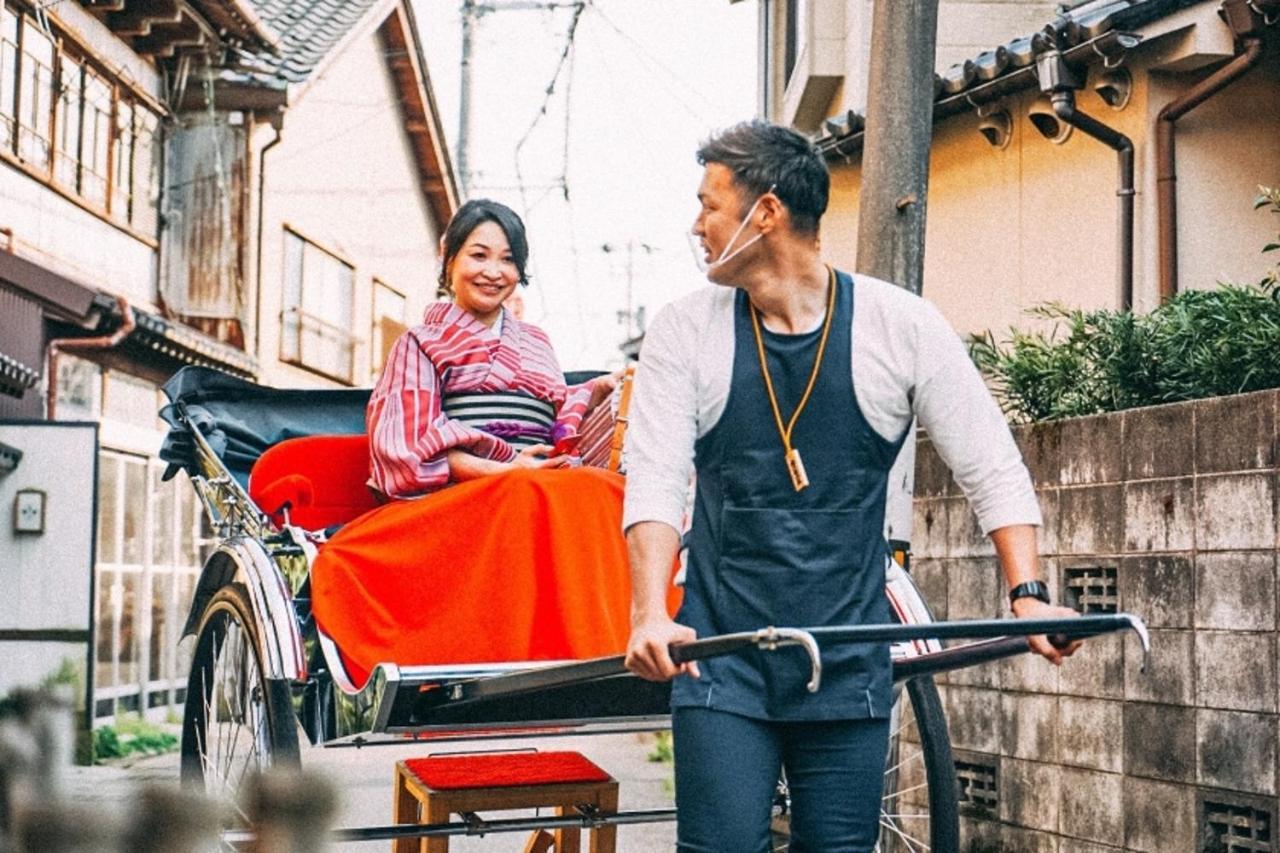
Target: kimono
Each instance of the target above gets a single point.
(527, 564)
(451, 352)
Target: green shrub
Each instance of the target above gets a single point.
(132, 735)
(1202, 343)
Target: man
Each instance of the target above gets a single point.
(790, 389)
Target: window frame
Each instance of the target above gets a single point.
(71, 50)
(352, 339)
(375, 341)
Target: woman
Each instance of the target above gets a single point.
(473, 390)
(522, 556)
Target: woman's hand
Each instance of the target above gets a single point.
(536, 456)
(602, 386)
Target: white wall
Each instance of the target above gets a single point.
(47, 577)
(59, 234)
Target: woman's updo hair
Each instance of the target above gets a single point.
(473, 214)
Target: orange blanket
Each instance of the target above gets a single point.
(525, 565)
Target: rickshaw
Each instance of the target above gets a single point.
(264, 675)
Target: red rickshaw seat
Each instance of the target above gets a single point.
(321, 479)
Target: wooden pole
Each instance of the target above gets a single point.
(895, 152)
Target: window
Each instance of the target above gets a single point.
(35, 95)
(63, 117)
(70, 105)
(8, 75)
(793, 43)
(390, 319)
(316, 321)
(95, 146)
(151, 545)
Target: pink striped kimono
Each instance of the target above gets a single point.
(452, 352)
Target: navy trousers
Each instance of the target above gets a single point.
(727, 768)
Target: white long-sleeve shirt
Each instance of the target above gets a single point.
(906, 359)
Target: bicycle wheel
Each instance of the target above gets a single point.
(919, 808)
(236, 721)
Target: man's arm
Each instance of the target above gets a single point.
(652, 546)
(1018, 553)
(660, 441)
(973, 438)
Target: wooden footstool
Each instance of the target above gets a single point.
(429, 790)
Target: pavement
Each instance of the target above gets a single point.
(362, 778)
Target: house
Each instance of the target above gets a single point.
(1022, 206)
(255, 186)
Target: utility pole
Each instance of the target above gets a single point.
(895, 153)
(632, 316)
(469, 17)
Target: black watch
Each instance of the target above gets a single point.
(1029, 589)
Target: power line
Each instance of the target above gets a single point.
(550, 90)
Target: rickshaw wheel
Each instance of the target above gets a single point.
(236, 722)
(919, 809)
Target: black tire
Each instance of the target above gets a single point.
(254, 726)
(919, 755)
(919, 809)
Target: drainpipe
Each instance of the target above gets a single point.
(1060, 83)
(1244, 19)
(101, 342)
(277, 125)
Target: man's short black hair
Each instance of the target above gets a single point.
(762, 155)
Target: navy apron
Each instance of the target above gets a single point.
(761, 553)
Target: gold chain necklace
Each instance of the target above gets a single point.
(795, 466)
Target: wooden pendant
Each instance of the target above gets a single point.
(795, 467)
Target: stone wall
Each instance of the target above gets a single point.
(1169, 513)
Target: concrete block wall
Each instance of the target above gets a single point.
(1170, 513)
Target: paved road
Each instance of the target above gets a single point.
(363, 778)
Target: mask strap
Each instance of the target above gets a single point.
(742, 225)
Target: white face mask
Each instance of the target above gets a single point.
(699, 256)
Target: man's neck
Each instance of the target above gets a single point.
(790, 290)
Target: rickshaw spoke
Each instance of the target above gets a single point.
(915, 756)
(913, 844)
(899, 793)
(237, 717)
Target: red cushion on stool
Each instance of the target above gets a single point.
(504, 770)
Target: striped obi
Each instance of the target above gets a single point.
(518, 419)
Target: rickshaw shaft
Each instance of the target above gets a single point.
(391, 832)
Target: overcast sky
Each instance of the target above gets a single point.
(646, 81)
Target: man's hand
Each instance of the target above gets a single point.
(647, 654)
(1034, 608)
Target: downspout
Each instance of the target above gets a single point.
(101, 342)
(1244, 22)
(1060, 83)
(277, 126)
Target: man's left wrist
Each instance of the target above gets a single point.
(1035, 589)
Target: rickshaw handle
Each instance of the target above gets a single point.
(811, 639)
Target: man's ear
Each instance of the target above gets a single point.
(772, 213)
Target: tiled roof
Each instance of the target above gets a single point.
(308, 30)
(1088, 32)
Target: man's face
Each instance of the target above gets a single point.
(721, 210)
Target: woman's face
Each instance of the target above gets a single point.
(483, 273)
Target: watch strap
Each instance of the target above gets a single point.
(1030, 589)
